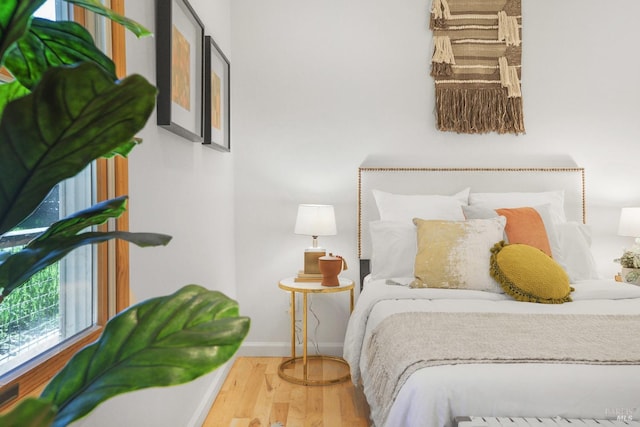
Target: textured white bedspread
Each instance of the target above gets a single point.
(433, 396)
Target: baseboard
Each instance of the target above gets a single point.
(200, 414)
(281, 349)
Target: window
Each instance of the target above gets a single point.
(44, 322)
(58, 302)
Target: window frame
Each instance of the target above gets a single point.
(112, 258)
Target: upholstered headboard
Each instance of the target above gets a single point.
(449, 180)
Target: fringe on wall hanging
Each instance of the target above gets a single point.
(476, 65)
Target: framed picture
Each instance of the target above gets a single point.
(179, 68)
(216, 97)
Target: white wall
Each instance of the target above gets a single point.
(183, 189)
(318, 86)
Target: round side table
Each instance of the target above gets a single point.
(306, 288)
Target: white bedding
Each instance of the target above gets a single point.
(434, 396)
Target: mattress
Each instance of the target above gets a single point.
(435, 396)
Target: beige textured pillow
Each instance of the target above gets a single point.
(456, 254)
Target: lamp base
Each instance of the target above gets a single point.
(311, 256)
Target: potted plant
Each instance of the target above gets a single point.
(65, 109)
(630, 263)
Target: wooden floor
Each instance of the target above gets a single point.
(254, 395)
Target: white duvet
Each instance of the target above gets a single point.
(433, 396)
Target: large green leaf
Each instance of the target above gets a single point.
(94, 215)
(49, 44)
(30, 413)
(97, 7)
(160, 342)
(74, 116)
(10, 92)
(14, 20)
(125, 148)
(62, 237)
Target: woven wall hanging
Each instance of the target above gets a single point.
(476, 65)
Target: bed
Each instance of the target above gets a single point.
(426, 356)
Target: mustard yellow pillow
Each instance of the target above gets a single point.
(528, 274)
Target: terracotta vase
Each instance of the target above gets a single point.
(330, 267)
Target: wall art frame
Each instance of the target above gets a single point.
(179, 68)
(217, 97)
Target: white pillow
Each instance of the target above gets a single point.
(405, 207)
(575, 246)
(520, 200)
(393, 249)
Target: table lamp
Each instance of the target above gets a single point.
(314, 221)
(630, 226)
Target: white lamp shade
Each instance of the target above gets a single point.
(629, 222)
(316, 220)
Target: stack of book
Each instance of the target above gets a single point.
(308, 277)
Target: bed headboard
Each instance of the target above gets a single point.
(449, 180)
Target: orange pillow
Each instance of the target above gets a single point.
(525, 226)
